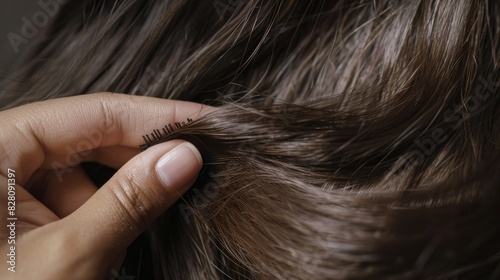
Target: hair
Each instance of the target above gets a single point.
(352, 139)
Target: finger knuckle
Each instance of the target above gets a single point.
(110, 110)
(133, 201)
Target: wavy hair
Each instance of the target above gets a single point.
(353, 139)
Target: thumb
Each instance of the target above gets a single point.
(135, 196)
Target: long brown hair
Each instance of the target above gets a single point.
(353, 139)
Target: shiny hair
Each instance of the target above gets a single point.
(352, 139)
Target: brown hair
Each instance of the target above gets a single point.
(353, 139)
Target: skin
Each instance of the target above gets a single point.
(57, 205)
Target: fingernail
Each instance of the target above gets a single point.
(179, 166)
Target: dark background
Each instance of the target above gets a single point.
(11, 13)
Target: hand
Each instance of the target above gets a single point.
(65, 227)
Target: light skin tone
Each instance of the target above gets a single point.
(66, 228)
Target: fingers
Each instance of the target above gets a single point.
(63, 191)
(114, 157)
(135, 196)
(65, 196)
(29, 212)
(45, 131)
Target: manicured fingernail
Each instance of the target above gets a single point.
(179, 166)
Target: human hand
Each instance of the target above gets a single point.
(65, 227)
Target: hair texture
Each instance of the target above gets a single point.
(353, 139)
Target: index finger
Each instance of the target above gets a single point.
(36, 133)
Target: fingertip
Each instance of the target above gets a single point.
(137, 194)
(179, 166)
